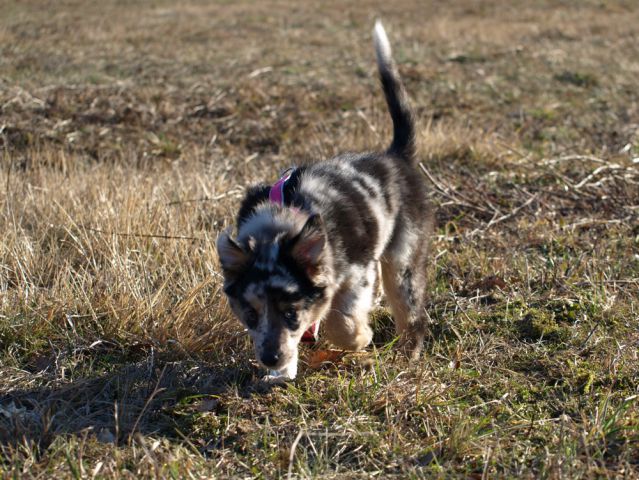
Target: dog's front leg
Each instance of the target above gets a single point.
(285, 374)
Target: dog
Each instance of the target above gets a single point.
(307, 249)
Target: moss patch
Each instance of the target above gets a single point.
(541, 325)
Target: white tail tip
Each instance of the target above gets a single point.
(382, 45)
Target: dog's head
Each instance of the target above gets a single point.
(275, 277)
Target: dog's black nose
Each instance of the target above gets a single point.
(270, 359)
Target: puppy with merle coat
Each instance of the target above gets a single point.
(307, 249)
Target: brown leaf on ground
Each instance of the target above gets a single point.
(320, 358)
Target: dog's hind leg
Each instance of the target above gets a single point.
(347, 325)
(404, 270)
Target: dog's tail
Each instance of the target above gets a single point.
(403, 143)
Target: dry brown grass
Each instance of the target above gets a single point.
(128, 133)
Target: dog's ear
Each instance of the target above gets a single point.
(308, 245)
(233, 257)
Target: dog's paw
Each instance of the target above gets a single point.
(411, 344)
(277, 378)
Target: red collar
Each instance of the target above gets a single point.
(311, 335)
(276, 195)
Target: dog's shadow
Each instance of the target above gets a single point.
(147, 397)
(142, 395)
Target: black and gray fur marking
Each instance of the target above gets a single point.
(254, 196)
(366, 209)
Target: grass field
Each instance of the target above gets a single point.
(128, 132)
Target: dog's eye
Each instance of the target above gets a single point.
(290, 316)
(250, 317)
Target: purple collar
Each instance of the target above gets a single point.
(276, 195)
